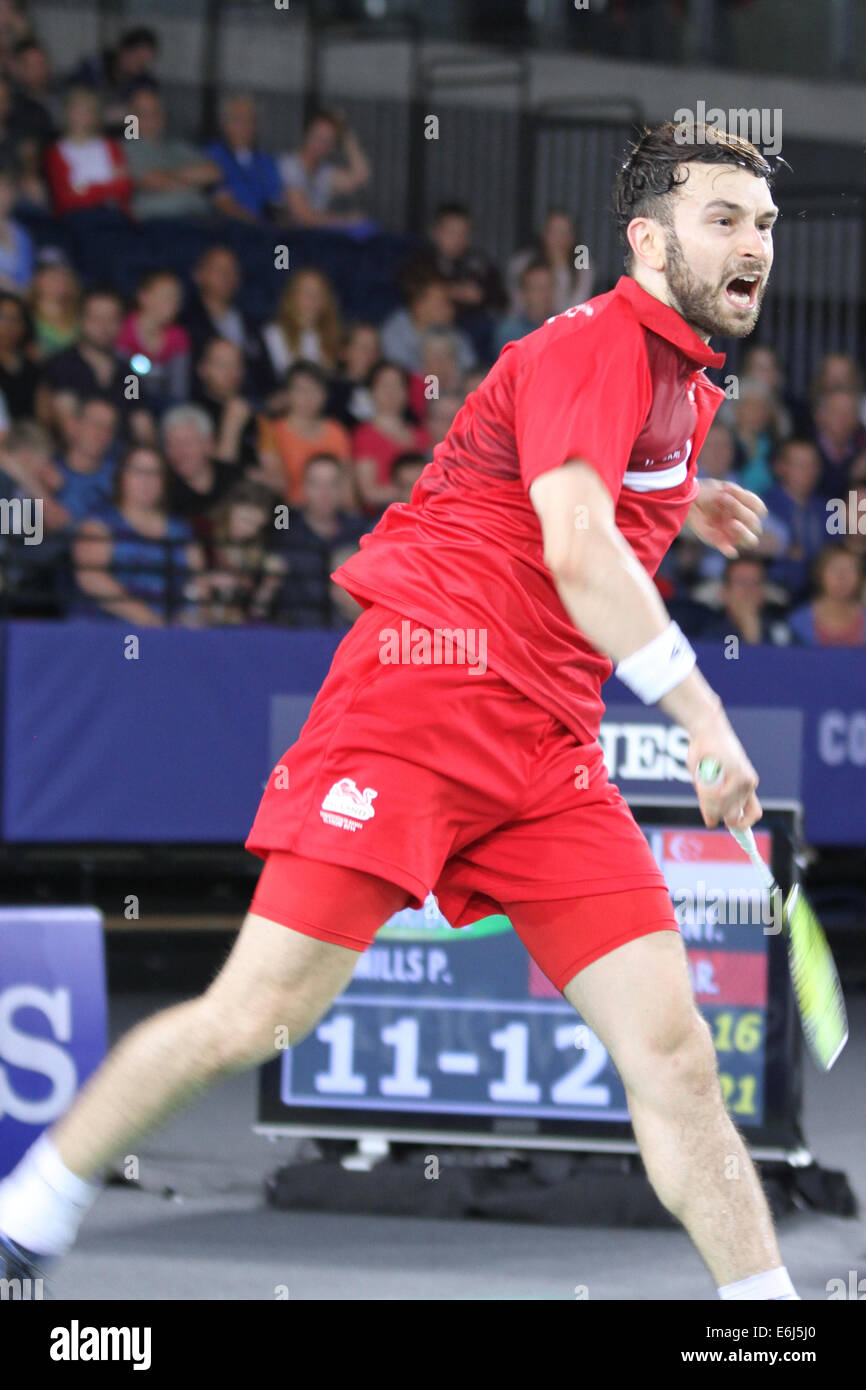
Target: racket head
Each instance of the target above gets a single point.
(816, 981)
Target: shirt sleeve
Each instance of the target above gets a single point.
(585, 397)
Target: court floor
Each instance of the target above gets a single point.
(198, 1227)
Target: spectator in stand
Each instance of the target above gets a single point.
(153, 342)
(250, 182)
(791, 415)
(91, 366)
(840, 437)
(440, 370)
(37, 103)
(798, 515)
(15, 26)
(213, 311)
(32, 572)
(26, 395)
(752, 413)
(198, 480)
(116, 73)
(169, 176)
(218, 389)
(441, 414)
(88, 468)
(836, 616)
(246, 570)
(557, 249)
(377, 442)
(55, 306)
(854, 515)
(26, 458)
(537, 289)
(307, 326)
(312, 179)
(838, 371)
(429, 306)
(301, 430)
(350, 401)
(314, 531)
(16, 243)
(131, 559)
(405, 472)
(473, 282)
(85, 169)
(747, 609)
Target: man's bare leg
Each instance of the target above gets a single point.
(638, 1001)
(274, 978)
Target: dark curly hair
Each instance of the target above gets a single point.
(653, 169)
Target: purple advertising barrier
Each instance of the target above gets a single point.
(52, 1017)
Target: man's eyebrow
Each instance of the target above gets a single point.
(722, 204)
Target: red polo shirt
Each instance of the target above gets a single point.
(618, 382)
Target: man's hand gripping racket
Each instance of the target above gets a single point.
(813, 972)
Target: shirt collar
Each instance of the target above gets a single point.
(667, 323)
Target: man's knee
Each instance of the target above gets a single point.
(233, 1036)
(675, 1057)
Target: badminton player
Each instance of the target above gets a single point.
(531, 539)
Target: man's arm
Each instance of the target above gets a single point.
(613, 602)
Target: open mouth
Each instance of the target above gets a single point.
(743, 290)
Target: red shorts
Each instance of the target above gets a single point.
(444, 778)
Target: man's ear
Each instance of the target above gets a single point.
(646, 239)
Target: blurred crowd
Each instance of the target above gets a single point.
(198, 466)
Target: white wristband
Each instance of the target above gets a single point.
(655, 669)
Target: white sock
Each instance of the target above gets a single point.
(774, 1283)
(42, 1204)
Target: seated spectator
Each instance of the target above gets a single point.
(32, 560)
(246, 570)
(36, 103)
(16, 243)
(169, 175)
(557, 249)
(855, 510)
(26, 395)
(115, 73)
(406, 469)
(474, 284)
(752, 414)
(429, 306)
(797, 512)
(55, 306)
(836, 616)
(315, 530)
(441, 414)
(213, 311)
(838, 371)
(350, 401)
(344, 608)
(536, 301)
(791, 415)
(377, 442)
(89, 462)
(840, 437)
(747, 610)
(307, 326)
(154, 343)
(440, 370)
(134, 561)
(312, 179)
(218, 389)
(85, 169)
(90, 367)
(197, 481)
(250, 182)
(301, 430)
